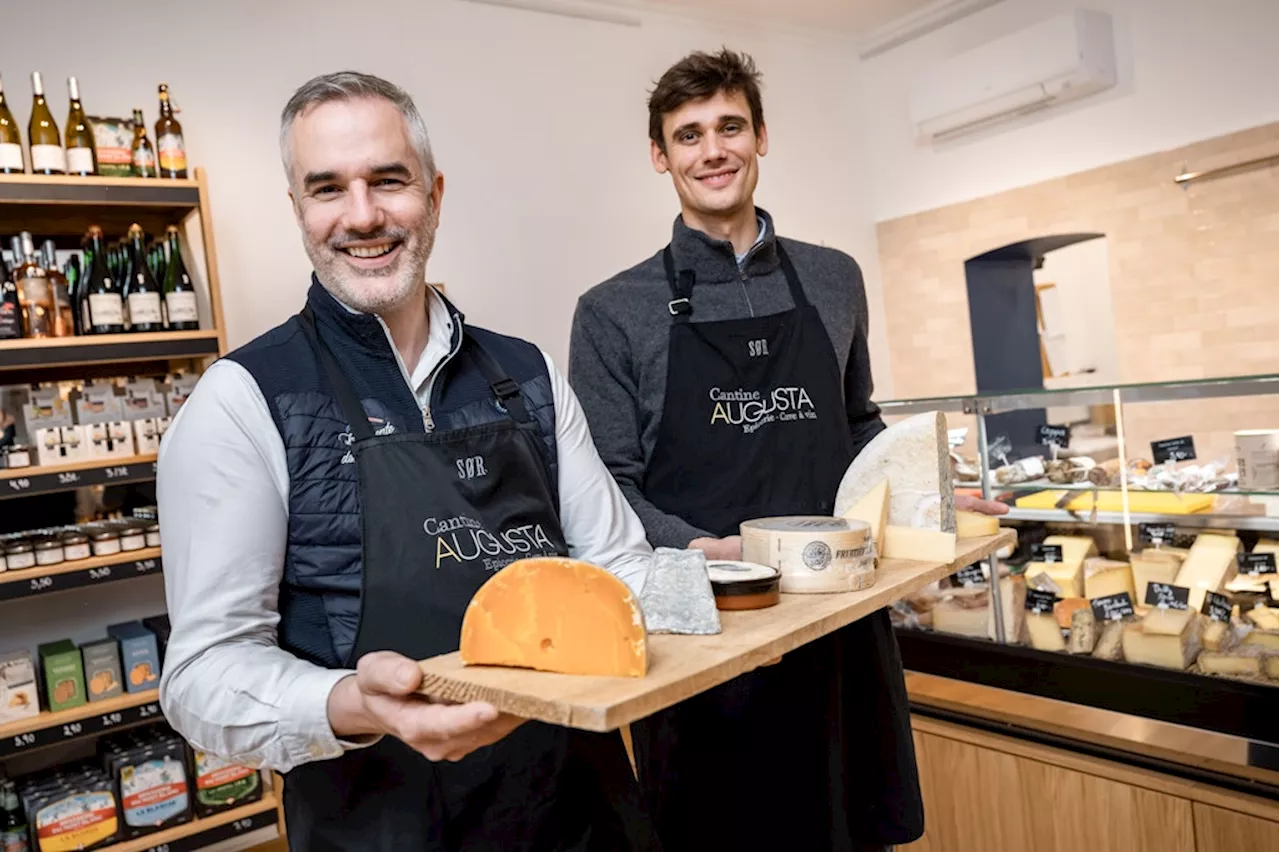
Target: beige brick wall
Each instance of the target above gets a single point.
(1194, 277)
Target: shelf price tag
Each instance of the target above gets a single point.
(1055, 436)
(1256, 563)
(1217, 607)
(1168, 596)
(20, 484)
(1112, 607)
(998, 451)
(1156, 534)
(968, 576)
(1040, 602)
(1173, 450)
(1046, 553)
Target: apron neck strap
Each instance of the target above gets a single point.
(504, 387)
(348, 401)
(681, 304)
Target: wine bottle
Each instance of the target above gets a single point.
(102, 306)
(14, 836)
(144, 156)
(141, 293)
(47, 156)
(82, 153)
(34, 292)
(10, 140)
(179, 292)
(169, 143)
(10, 308)
(64, 324)
(75, 290)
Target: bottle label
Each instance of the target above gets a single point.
(173, 154)
(50, 158)
(105, 309)
(182, 306)
(80, 161)
(11, 156)
(144, 162)
(144, 308)
(153, 792)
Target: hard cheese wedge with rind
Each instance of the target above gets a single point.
(914, 456)
(556, 615)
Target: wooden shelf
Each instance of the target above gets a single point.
(106, 349)
(79, 723)
(46, 479)
(63, 208)
(200, 833)
(95, 571)
(67, 189)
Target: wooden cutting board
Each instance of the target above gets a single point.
(683, 666)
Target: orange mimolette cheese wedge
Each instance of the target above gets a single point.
(556, 615)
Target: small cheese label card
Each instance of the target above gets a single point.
(1040, 602)
(1156, 534)
(1046, 553)
(970, 576)
(1173, 450)
(1217, 607)
(1168, 596)
(1256, 563)
(998, 451)
(1112, 607)
(1057, 436)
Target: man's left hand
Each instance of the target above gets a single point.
(966, 503)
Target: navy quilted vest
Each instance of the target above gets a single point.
(320, 594)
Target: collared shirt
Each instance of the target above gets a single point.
(762, 229)
(223, 483)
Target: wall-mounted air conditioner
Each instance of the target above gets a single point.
(1059, 60)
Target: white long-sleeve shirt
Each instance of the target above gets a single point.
(223, 489)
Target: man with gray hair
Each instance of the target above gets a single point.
(334, 493)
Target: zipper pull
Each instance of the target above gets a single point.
(428, 422)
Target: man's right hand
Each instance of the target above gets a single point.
(719, 548)
(382, 699)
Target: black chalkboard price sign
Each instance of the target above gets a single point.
(1173, 449)
(1112, 607)
(1217, 607)
(1168, 596)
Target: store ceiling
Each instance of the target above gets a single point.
(856, 18)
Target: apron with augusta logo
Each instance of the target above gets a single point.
(440, 512)
(813, 753)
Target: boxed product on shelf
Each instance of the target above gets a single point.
(102, 669)
(71, 808)
(146, 435)
(63, 672)
(159, 625)
(138, 654)
(61, 445)
(19, 697)
(221, 785)
(151, 783)
(44, 408)
(178, 387)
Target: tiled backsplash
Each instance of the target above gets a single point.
(1194, 278)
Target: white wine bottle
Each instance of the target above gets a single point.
(10, 140)
(47, 156)
(142, 295)
(82, 154)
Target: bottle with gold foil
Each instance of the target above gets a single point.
(144, 155)
(101, 307)
(142, 298)
(170, 147)
(47, 156)
(10, 141)
(179, 292)
(82, 153)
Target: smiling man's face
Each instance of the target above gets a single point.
(367, 211)
(712, 155)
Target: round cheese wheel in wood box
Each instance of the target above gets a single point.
(815, 554)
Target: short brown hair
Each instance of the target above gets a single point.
(701, 75)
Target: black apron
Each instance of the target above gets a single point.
(540, 788)
(812, 754)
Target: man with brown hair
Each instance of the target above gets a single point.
(727, 378)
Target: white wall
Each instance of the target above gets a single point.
(539, 124)
(1188, 70)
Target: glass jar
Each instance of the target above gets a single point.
(48, 551)
(75, 545)
(19, 455)
(19, 554)
(153, 535)
(132, 537)
(106, 543)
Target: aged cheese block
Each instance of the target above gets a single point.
(1268, 639)
(1104, 577)
(815, 554)
(1068, 574)
(962, 616)
(1044, 632)
(914, 457)
(1263, 618)
(920, 545)
(1210, 564)
(1271, 666)
(973, 524)
(677, 596)
(873, 509)
(1084, 632)
(1066, 608)
(1169, 622)
(1154, 566)
(1170, 652)
(556, 615)
(1265, 545)
(1219, 636)
(1013, 609)
(1109, 645)
(1241, 662)
(1154, 502)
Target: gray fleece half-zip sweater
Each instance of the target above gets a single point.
(618, 348)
